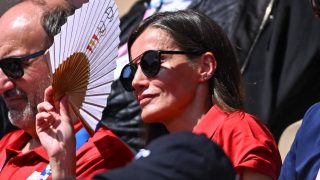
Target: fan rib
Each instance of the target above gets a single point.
(82, 59)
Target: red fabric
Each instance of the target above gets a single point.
(103, 151)
(246, 141)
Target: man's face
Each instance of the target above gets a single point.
(21, 37)
(23, 95)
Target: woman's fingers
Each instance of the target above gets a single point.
(48, 94)
(45, 106)
(44, 120)
(64, 108)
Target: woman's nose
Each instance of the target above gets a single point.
(139, 80)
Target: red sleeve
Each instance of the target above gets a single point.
(249, 144)
(102, 152)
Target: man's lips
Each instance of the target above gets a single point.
(14, 100)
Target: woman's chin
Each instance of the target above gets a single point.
(148, 117)
(155, 113)
(149, 120)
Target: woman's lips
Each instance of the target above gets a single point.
(145, 99)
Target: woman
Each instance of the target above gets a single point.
(184, 74)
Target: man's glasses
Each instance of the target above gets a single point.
(13, 67)
(150, 64)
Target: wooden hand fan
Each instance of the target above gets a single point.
(82, 59)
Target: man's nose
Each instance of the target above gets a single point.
(5, 83)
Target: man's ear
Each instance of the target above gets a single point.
(207, 65)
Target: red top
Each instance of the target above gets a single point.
(102, 151)
(246, 141)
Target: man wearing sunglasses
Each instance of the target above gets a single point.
(24, 76)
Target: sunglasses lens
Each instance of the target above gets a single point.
(127, 75)
(150, 63)
(13, 68)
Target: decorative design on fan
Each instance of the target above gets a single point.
(82, 59)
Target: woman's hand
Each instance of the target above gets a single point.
(56, 134)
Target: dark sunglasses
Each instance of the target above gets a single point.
(150, 64)
(13, 67)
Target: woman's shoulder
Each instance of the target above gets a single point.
(248, 143)
(241, 125)
(245, 125)
(240, 117)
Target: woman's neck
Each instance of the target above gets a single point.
(188, 117)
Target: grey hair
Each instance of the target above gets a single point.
(53, 19)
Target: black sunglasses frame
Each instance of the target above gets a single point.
(155, 66)
(16, 65)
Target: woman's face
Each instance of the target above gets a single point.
(168, 94)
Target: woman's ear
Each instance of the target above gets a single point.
(207, 65)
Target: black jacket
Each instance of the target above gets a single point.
(282, 73)
(122, 116)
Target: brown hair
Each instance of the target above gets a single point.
(195, 32)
